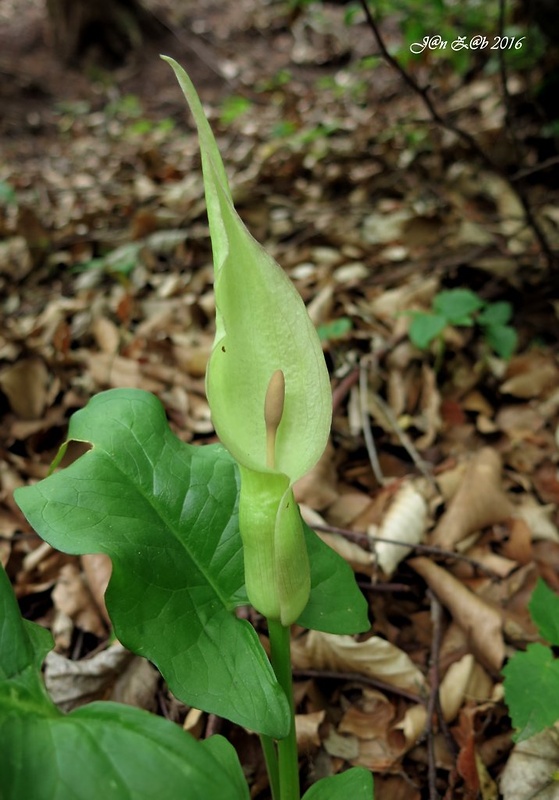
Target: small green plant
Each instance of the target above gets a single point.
(532, 677)
(193, 533)
(233, 107)
(464, 308)
(337, 329)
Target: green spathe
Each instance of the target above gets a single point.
(272, 531)
(262, 329)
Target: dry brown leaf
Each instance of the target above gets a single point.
(25, 384)
(539, 519)
(482, 622)
(530, 769)
(360, 560)
(371, 723)
(519, 421)
(454, 685)
(137, 684)
(380, 754)
(97, 568)
(430, 419)
(393, 787)
(480, 501)
(530, 375)
(106, 334)
(347, 507)
(516, 540)
(418, 293)
(412, 724)
(118, 371)
(194, 722)
(482, 554)
(72, 596)
(306, 727)
(374, 658)
(318, 488)
(346, 747)
(405, 520)
(74, 683)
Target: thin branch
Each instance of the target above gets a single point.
(433, 701)
(551, 257)
(342, 389)
(407, 443)
(366, 425)
(527, 171)
(365, 540)
(358, 678)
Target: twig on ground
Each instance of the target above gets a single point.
(342, 389)
(551, 257)
(433, 701)
(366, 425)
(384, 587)
(407, 443)
(358, 678)
(527, 171)
(364, 540)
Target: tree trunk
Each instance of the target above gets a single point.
(111, 28)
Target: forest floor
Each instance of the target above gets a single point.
(373, 210)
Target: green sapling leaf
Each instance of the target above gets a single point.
(101, 750)
(336, 329)
(166, 514)
(544, 610)
(457, 305)
(531, 690)
(502, 339)
(425, 327)
(495, 313)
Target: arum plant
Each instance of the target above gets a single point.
(193, 533)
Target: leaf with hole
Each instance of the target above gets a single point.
(165, 512)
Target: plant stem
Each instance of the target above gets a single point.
(288, 761)
(271, 758)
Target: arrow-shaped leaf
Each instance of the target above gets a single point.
(165, 512)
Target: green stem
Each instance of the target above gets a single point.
(271, 758)
(288, 761)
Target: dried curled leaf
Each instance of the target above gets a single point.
(374, 658)
(481, 621)
(478, 502)
(404, 521)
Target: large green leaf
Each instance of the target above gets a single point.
(356, 783)
(103, 750)
(165, 512)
